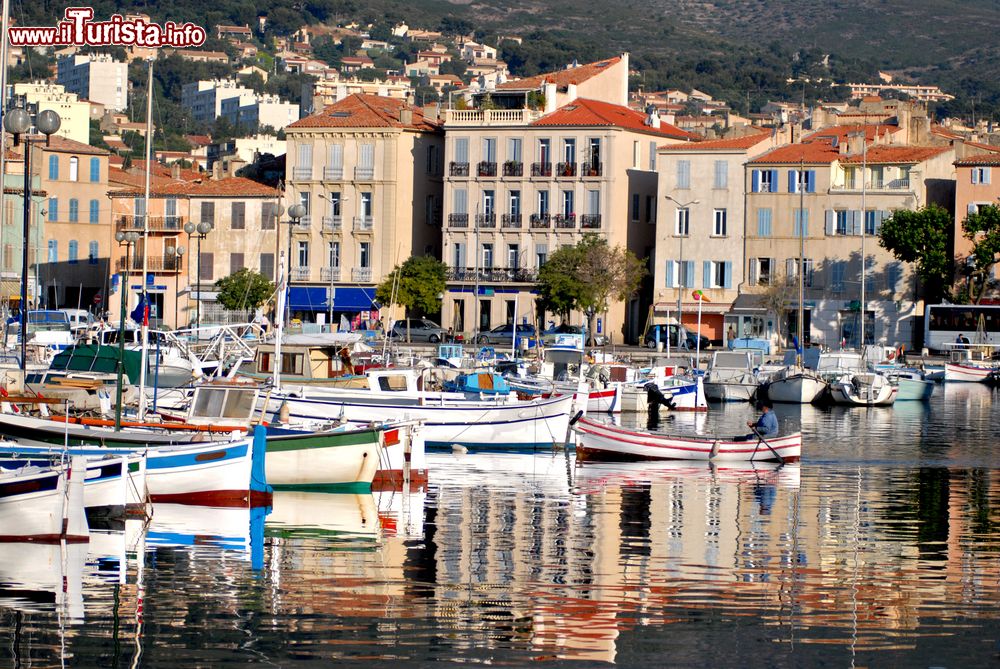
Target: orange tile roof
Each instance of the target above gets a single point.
(842, 131)
(562, 78)
(161, 170)
(163, 187)
(583, 112)
(984, 160)
(817, 152)
(896, 154)
(992, 148)
(230, 187)
(62, 144)
(366, 111)
(728, 144)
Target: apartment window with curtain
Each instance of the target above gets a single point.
(93, 252)
(543, 203)
(487, 256)
(514, 149)
(544, 150)
(238, 215)
(74, 168)
(236, 262)
(170, 214)
(513, 256)
(541, 254)
(567, 203)
(489, 202)
(569, 150)
(515, 203)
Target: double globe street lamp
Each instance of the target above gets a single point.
(128, 240)
(295, 214)
(199, 232)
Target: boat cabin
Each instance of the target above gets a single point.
(306, 358)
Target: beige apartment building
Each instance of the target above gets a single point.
(834, 189)
(977, 183)
(74, 113)
(699, 233)
(368, 171)
(97, 77)
(76, 243)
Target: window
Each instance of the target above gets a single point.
(74, 168)
(304, 159)
(487, 256)
(541, 254)
(842, 222)
(594, 202)
(268, 216)
(650, 209)
(139, 207)
(432, 160)
(366, 205)
(513, 256)
(543, 203)
(238, 215)
(462, 150)
(635, 155)
(170, 213)
(764, 222)
(717, 274)
(544, 151)
(490, 149)
(208, 212)
(764, 181)
(458, 255)
(721, 174)
(761, 271)
(365, 255)
(870, 221)
(569, 150)
(53, 209)
(652, 156)
(93, 251)
(800, 222)
(837, 271)
(682, 227)
(53, 247)
(489, 202)
(267, 264)
(801, 181)
(719, 223)
(893, 274)
(333, 253)
(207, 267)
(980, 175)
(791, 271)
(74, 252)
(303, 254)
(461, 200)
(594, 151)
(568, 209)
(680, 274)
(53, 168)
(236, 262)
(366, 161)
(515, 203)
(95, 170)
(95, 211)
(74, 210)
(635, 206)
(683, 174)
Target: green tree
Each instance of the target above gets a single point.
(983, 230)
(421, 281)
(921, 237)
(245, 290)
(587, 277)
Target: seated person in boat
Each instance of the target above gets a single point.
(766, 426)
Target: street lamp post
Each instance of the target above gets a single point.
(199, 232)
(178, 254)
(126, 239)
(295, 214)
(681, 206)
(17, 122)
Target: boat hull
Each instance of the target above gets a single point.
(605, 400)
(729, 392)
(44, 505)
(215, 474)
(914, 390)
(600, 441)
(331, 461)
(795, 389)
(870, 390)
(966, 373)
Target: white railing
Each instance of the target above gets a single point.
(329, 274)
(331, 223)
(302, 173)
(300, 274)
(361, 274)
(491, 116)
(363, 223)
(333, 173)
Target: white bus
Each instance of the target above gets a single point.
(945, 323)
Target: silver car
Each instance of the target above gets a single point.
(420, 329)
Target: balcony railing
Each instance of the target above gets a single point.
(363, 223)
(153, 264)
(475, 117)
(486, 220)
(458, 169)
(541, 169)
(486, 168)
(300, 274)
(329, 274)
(891, 185)
(156, 223)
(513, 168)
(458, 220)
(364, 173)
(303, 224)
(333, 173)
(302, 173)
(493, 274)
(566, 170)
(591, 169)
(565, 220)
(361, 274)
(590, 221)
(541, 221)
(332, 223)
(510, 221)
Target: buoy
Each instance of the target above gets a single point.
(458, 448)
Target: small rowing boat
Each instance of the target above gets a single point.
(602, 441)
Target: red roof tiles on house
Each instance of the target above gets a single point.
(583, 112)
(842, 131)
(817, 152)
(366, 111)
(985, 160)
(62, 144)
(562, 78)
(728, 144)
(896, 154)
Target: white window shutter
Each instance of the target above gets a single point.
(753, 269)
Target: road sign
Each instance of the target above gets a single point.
(98, 299)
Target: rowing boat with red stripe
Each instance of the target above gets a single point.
(602, 441)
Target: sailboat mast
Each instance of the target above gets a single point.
(802, 262)
(145, 243)
(864, 224)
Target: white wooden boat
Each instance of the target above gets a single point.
(863, 389)
(730, 377)
(335, 461)
(599, 440)
(966, 365)
(43, 504)
(795, 385)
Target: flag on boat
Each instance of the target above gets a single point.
(700, 296)
(141, 312)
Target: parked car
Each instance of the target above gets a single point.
(549, 335)
(688, 342)
(503, 335)
(420, 329)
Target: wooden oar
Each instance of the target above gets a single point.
(762, 440)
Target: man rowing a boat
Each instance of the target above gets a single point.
(766, 425)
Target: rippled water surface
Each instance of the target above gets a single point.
(882, 548)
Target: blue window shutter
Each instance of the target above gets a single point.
(729, 274)
(975, 175)
(986, 174)
(793, 176)
(689, 274)
(774, 181)
(752, 268)
(706, 278)
(804, 221)
(95, 211)
(767, 222)
(811, 181)
(755, 179)
(54, 168)
(95, 169)
(670, 273)
(53, 209)
(74, 210)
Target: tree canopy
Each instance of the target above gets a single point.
(586, 277)
(983, 230)
(245, 290)
(421, 281)
(921, 237)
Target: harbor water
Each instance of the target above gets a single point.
(881, 548)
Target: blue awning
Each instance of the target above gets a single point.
(308, 298)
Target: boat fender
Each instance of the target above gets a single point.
(459, 449)
(574, 419)
(284, 413)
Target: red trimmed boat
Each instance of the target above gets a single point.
(601, 441)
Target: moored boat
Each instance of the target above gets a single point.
(43, 504)
(863, 389)
(795, 385)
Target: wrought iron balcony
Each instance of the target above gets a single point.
(361, 274)
(364, 173)
(332, 223)
(566, 170)
(363, 223)
(513, 168)
(333, 173)
(493, 274)
(458, 220)
(458, 169)
(486, 168)
(590, 221)
(541, 169)
(510, 221)
(156, 223)
(302, 173)
(153, 264)
(329, 274)
(541, 221)
(591, 169)
(565, 220)
(486, 220)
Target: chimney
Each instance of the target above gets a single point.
(652, 118)
(175, 171)
(549, 89)
(406, 116)
(571, 92)
(855, 142)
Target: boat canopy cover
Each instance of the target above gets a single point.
(98, 359)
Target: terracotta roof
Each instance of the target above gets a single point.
(986, 159)
(230, 187)
(817, 152)
(842, 131)
(728, 144)
(366, 111)
(942, 131)
(161, 170)
(583, 112)
(992, 148)
(163, 187)
(896, 154)
(61, 144)
(198, 140)
(562, 78)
